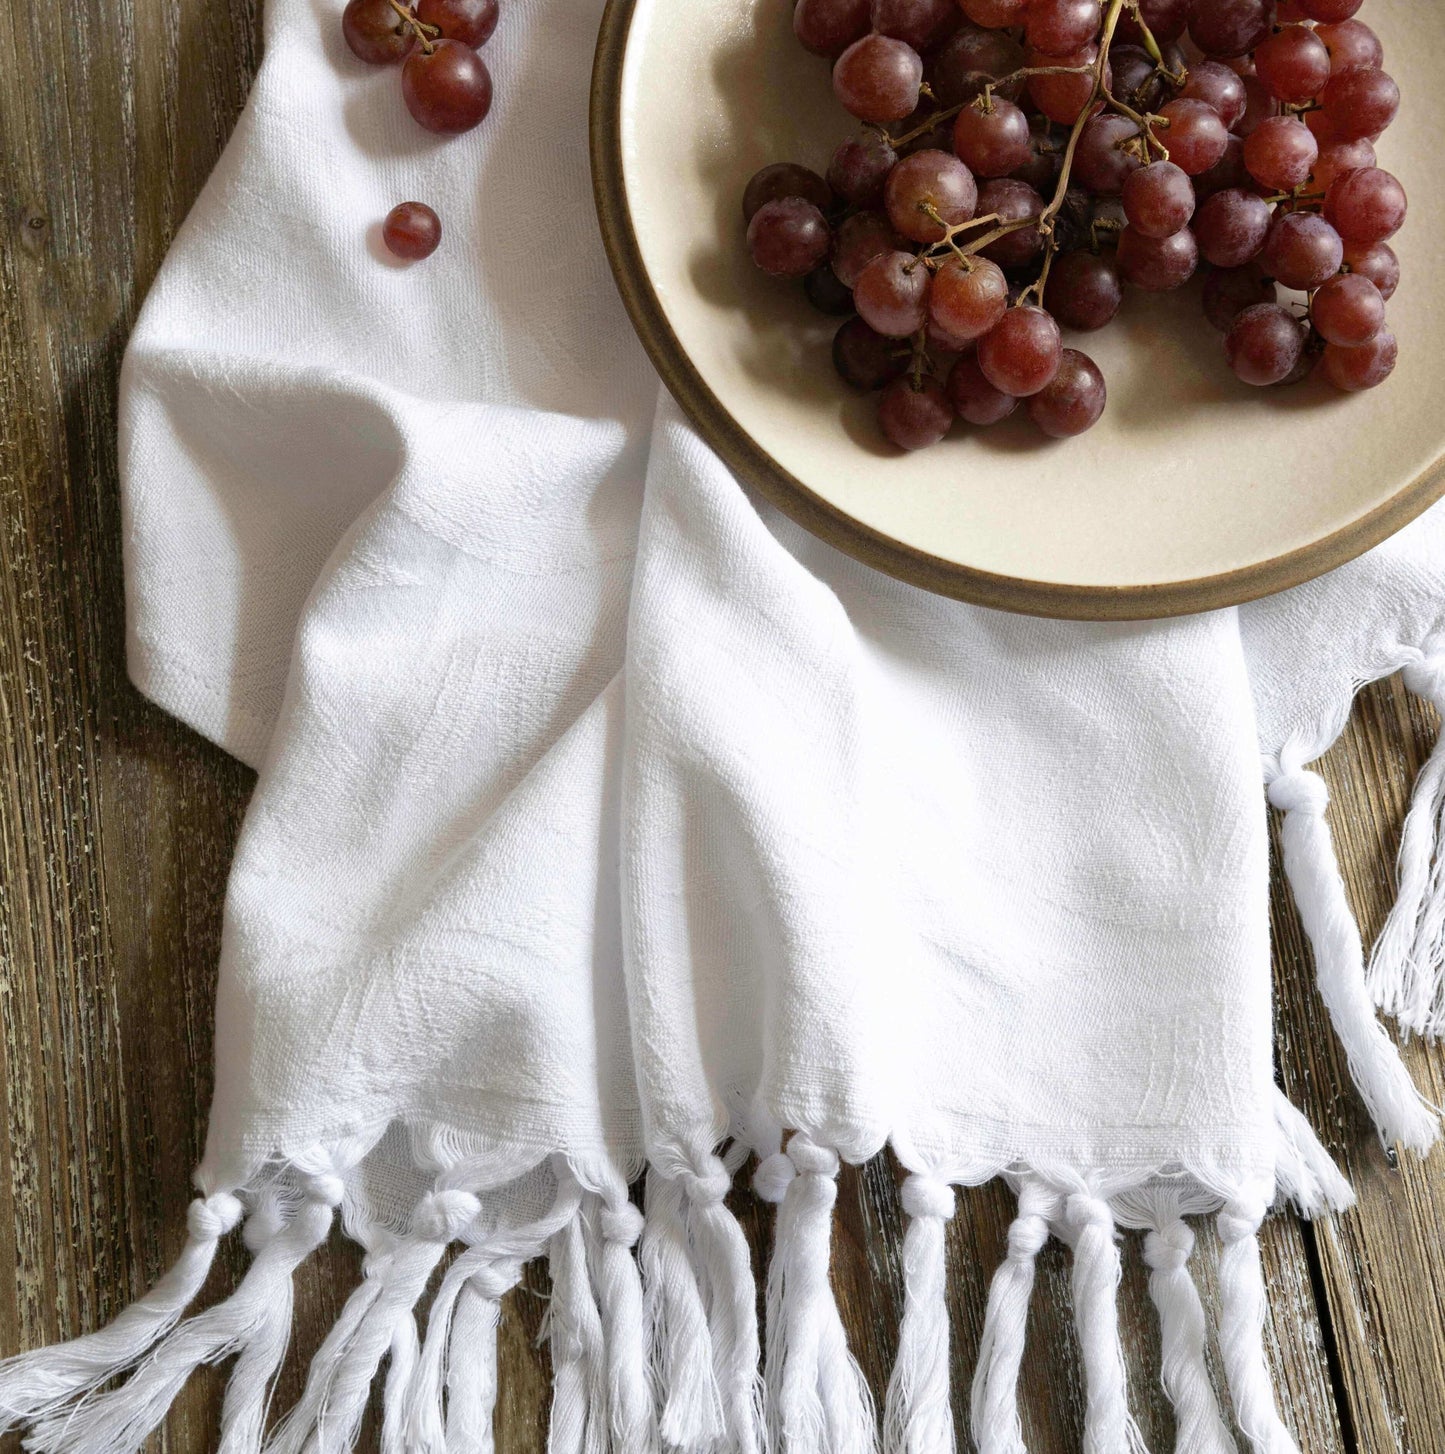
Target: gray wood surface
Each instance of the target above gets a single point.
(116, 826)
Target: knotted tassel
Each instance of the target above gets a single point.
(254, 1321)
(33, 1384)
(1241, 1328)
(994, 1411)
(682, 1352)
(819, 1401)
(472, 1364)
(918, 1411)
(1399, 1113)
(400, 1372)
(1407, 969)
(1109, 1427)
(613, 1229)
(579, 1374)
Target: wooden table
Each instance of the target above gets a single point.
(116, 826)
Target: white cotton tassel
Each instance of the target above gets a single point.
(1399, 1112)
(613, 1230)
(1183, 1337)
(994, 1411)
(472, 1361)
(818, 1399)
(1407, 969)
(682, 1353)
(579, 1374)
(1241, 1328)
(400, 1373)
(1304, 1172)
(918, 1411)
(33, 1384)
(1109, 1427)
(255, 1320)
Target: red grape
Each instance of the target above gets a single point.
(788, 238)
(1229, 171)
(446, 87)
(1360, 103)
(1293, 64)
(859, 169)
(1166, 20)
(1352, 46)
(469, 21)
(1302, 250)
(1012, 201)
(866, 360)
(1259, 105)
(1378, 263)
(1356, 369)
(975, 399)
(411, 230)
(919, 22)
(1157, 264)
(1337, 159)
(1084, 291)
(1195, 135)
(376, 33)
(993, 142)
(1023, 353)
(1228, 28)
(1366, 205)
(1280, 153)
(967, 298)
(891, 294)
(829, 27)
(1060, 27)
(914, 416)
(859, 239)
(1101, 165)
(995, 14)
(971, 58)
(1231, 228)
(1264, 344)
(785, 179)
(1228, 292)
(1329, 11)
(823, 290)
(1063, 98)
(1073, 399)
(877, 79)
(929, 192)
(1348, 310)
(1136, 78)
(1158, 200)
(1216, 85)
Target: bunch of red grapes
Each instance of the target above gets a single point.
(446, 85)
(1022, 160)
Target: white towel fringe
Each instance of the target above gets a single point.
(1305, 1174)
(34, 1384)
(1407, 969)
(1241, 1328)
(1399, 1112)
(255, 1320)
(1109, 1427)
(400, 1372)
(994, 1409)
(579, 1369)
(819, 1400)
(918, 1409)
(472, 1362)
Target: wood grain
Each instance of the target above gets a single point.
(116, 826)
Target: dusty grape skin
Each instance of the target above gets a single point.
(971, 57)
(1366, 205)
(375, 32)
(967, 304)
(1264, 344)
(1084, 291)
(447, 90)
(921, 23)
(412, 231)
(1352, 46)
(1352, 370)
(914, 417)
(1231, 228)
(1329, 11)
(785, 179)
(1073, 400)
(858, 240)
(1302, 251)
(1223, 29)
(1219, 88)
(1229, 291)
(1157, 264)
(827, 294)
(470, 21)
(1012, 200)
(976, 400)
(993, 143)
(1060, 27)
(1229, 171)
(866, 360)
(1063, 98)
(995, 14)
(1378, 263)
(936, 179)
(1294, 64)
(877, 79)
(829, 27)
(1280, 153)
(1022, 354)
(1195, 136)
(1159, 200)
(1337, 159)
(891, 294)
(789, 238)
(1099, 164)
(1166, 20)
(1348, 310)
(1360, 103)
(859, 169)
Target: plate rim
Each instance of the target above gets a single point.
(746, 458)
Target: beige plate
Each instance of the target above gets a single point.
(1192, 493)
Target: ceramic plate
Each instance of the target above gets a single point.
(1193, 492)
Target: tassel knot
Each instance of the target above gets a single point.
(492, 1281)
(1241, 1218)
(1084, 1211)
(928, 1196)
(442, 1216)
(621, 1224)
(324, 1187)
(1028, 1233)
(810, 1159)
(208, 1219)
(1426, 678)
(773, 1176)
(1300, 792)
(1169, 1249)
(706, 1188)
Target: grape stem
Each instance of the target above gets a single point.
(424, 33)
(947, 113)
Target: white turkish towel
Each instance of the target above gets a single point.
(606, 821)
